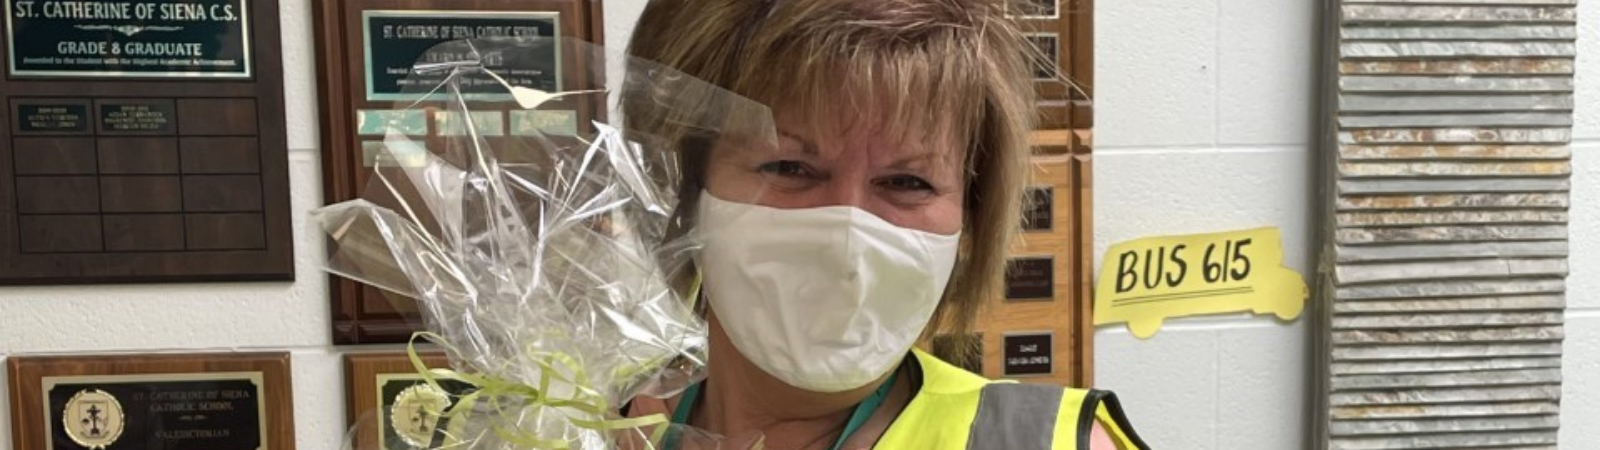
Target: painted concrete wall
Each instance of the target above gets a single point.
(1580, 389)
(1204, 123)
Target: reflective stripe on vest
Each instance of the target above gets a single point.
(957, 410)
(1016, 417)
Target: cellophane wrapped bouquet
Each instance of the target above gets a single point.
(530, 209)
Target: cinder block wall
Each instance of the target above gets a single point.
(1205, 121)
(1580, 372)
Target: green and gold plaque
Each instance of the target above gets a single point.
(214, 402)
(410, 411)
(392, 407)
(374, 101)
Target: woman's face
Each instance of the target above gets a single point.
(916, 184)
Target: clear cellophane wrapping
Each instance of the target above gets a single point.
(534, 219)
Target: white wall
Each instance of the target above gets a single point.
(1580, 390)
(1204, 123)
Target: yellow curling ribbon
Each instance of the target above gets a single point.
(552, 366)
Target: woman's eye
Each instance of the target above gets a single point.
(906, 183)
(785, 168)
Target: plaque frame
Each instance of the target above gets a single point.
(362, 374)
(220, 239)
(1055, 10)
(1072, 25)
(363, 314)
(1069, 315)
(366, 37)
(1051, 71)
(1049, 290)
(1034, 197)
(1050, 336)
(31, 375)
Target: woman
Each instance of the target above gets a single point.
(882, 215)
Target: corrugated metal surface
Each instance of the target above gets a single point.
(1446, 225)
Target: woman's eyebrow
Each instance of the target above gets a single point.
(806, 146)
(914, 159)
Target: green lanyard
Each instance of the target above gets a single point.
(857, 417)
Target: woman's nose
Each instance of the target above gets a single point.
(846, 190)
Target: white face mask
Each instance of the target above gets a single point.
(826, 299)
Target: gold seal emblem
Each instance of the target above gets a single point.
(415, 413)
(93, 419)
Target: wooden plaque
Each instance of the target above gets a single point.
(142, 142)
(364, 47)
(1062, 34)
(1038, 209)
(218, 402)
(386, 399)
(1030, 278)
(1047, 288)
(1028, 354)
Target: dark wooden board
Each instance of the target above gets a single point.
(140, 178)
(363, 314)
(1064, 95)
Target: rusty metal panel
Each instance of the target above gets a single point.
(1455, 15)
(1409, 218)
(1506, 33)
(1454, 319)
(1513, 200)
(1349, 153)
(1451, 269)
(1452, 366)
(1450, 233)
(1393, 103)
(1387, 397)
(1419, 426)
(1448, 173)
(1444, 336)
(1425, 289)
(1424, 169)
(1504, 440)
(1457, 305)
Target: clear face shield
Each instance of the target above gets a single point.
(542, 219)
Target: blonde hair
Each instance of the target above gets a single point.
(955, 65)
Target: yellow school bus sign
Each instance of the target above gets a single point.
(1146, 281)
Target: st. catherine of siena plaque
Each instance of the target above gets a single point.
(229, 401)
(367, 50)
(142, 141)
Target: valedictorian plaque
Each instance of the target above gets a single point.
(142, 141)
(366, 53)
(166, 402)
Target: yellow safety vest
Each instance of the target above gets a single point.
(957, 410)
